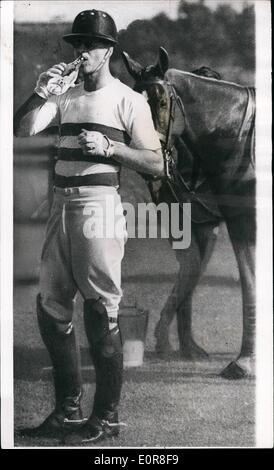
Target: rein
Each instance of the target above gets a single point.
(168, 146)
(172, 175)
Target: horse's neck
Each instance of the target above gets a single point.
(173, 75)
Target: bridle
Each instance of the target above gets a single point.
(172, 176)
(167, 138)
(168, 145)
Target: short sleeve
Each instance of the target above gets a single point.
(142, 131)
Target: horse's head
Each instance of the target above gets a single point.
(151, 73)
(150, 81)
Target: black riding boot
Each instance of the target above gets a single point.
(59, 338)
(106, 352)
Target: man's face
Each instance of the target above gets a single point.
(93, 51)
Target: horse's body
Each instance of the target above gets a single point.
(218, 130)
(215, 126)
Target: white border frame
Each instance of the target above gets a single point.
(264, 390)
(6, 238)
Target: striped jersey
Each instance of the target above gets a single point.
(114, 110)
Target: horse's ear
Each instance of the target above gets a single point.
(133, 67)
(163, 60)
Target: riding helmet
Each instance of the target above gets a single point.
(93, 24)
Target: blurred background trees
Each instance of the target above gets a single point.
(222, 38)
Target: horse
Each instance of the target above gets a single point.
(211, 124)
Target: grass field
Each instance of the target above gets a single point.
(164, 403)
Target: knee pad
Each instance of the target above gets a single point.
(97, 329)
(48, 322)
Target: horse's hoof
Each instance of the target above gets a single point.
(190, 351)
(236, 371)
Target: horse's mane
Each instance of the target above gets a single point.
(201, 78)
(205, 71)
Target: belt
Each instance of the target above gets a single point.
(96, 179)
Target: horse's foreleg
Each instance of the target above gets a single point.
(162, 328)
(192, 265)
(242, 234)
(193, 262)
(180, 302)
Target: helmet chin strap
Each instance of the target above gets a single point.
(107, 54)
